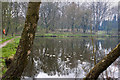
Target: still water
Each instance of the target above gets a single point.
(69, 57)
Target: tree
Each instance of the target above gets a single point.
(100, 10)
(18, 13)
(13, 16)
(24, 48)
(104, 63)
(48, 14)
(86, 19)
(70, 15)
(0, 17)
(119, 19)
(6, 16)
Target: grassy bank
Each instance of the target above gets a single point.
(8, 51)
(4, 39)
(10, 48)
(73, 35)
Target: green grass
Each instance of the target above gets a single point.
(61, 34)
(8, 50)
(5, 39)
(73, 35)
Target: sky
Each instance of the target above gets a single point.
(58, 0)
(115, 1)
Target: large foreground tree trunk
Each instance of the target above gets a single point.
(24, 49)
(104, 64)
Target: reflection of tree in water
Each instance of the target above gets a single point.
(108, 42)
(103, 47)
(60, 56)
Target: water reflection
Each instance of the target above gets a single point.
(70, 57)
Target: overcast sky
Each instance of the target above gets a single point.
(58, 0)
(80, 0)
(115, 2)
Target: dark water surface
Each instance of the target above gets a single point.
(69, 57)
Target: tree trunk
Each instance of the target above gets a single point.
(104, 64)
(24, 48)
(6, 33)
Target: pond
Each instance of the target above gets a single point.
(69, 57)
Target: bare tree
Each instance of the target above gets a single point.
(100, 10)
(24, 48)
(48, 14)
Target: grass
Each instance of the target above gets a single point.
(61, 34)
(4, 39)
(10, 48)
(7, 51)
(72, 35)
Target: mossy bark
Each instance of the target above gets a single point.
(103, 64)
(16, 68)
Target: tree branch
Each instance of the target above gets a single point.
(104, 63)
